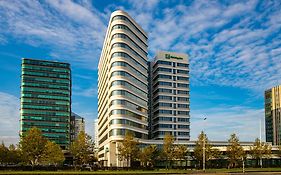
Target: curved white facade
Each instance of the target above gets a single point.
(122, 86)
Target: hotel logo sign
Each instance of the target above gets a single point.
(169, 56)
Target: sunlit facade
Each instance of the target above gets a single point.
(273, 115)
(122, 86)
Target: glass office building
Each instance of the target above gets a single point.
(46, 99)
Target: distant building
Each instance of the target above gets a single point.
(273, 115)
(46, 99)
(78, 125)
(169, 96)
(96, 133)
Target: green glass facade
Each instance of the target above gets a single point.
(46, 99)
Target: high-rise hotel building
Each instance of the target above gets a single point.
(46, 99)
(273, 115)
(122, 86)
(169, 96)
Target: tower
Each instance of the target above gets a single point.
(170, 96)
(273, 115)
(46, 99)
(122, 86)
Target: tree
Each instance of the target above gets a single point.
(35, 149)
(82, 149)
(3, 153)
(209, 151)
(14, 155)
(148, 155)
(168, 149)
(180, 152)
(53, 154)
(260, 150)
(32, 146)
(128, 149)
(234, 151)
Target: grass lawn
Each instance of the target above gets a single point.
(136, 172)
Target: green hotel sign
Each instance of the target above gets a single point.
(169, 56)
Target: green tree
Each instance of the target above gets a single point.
(168, 149)
(53, 154)
(3, 153)
(14, 155)
(32, 145)
(128, 149)
(82, 149)
(149, 155)
(234, 151)
(259, 151)
(210, 152)
(180, 152)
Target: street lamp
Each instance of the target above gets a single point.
(106, 150)
(204, 147)
(204, 158)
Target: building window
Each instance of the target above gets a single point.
(183, 133)
(183, 119)
(183, 99)
(183, 113)
(182, 65)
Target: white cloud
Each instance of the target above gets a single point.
(2, 40)
(72, 32)
(227, 43)
(86, 92)
(235, 44)
(9, 115)
(225, 120)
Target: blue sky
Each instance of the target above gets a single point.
(234, 49)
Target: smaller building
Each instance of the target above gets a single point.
(96, 134)
(169, 96)
(77, 125)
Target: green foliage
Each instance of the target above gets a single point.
(149, 155)
(53, 154)
(33, 146)
(168, 148)
(180, 152)
(3, 154)
(210, 152)
(11, 155)
(35, 149)
(234, 151)
(128, 149)
(14, 155)
(82, 149)
(260, 150)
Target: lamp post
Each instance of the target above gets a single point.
(106, 150)
(204, 146)
(260, 145)
(204, 157)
